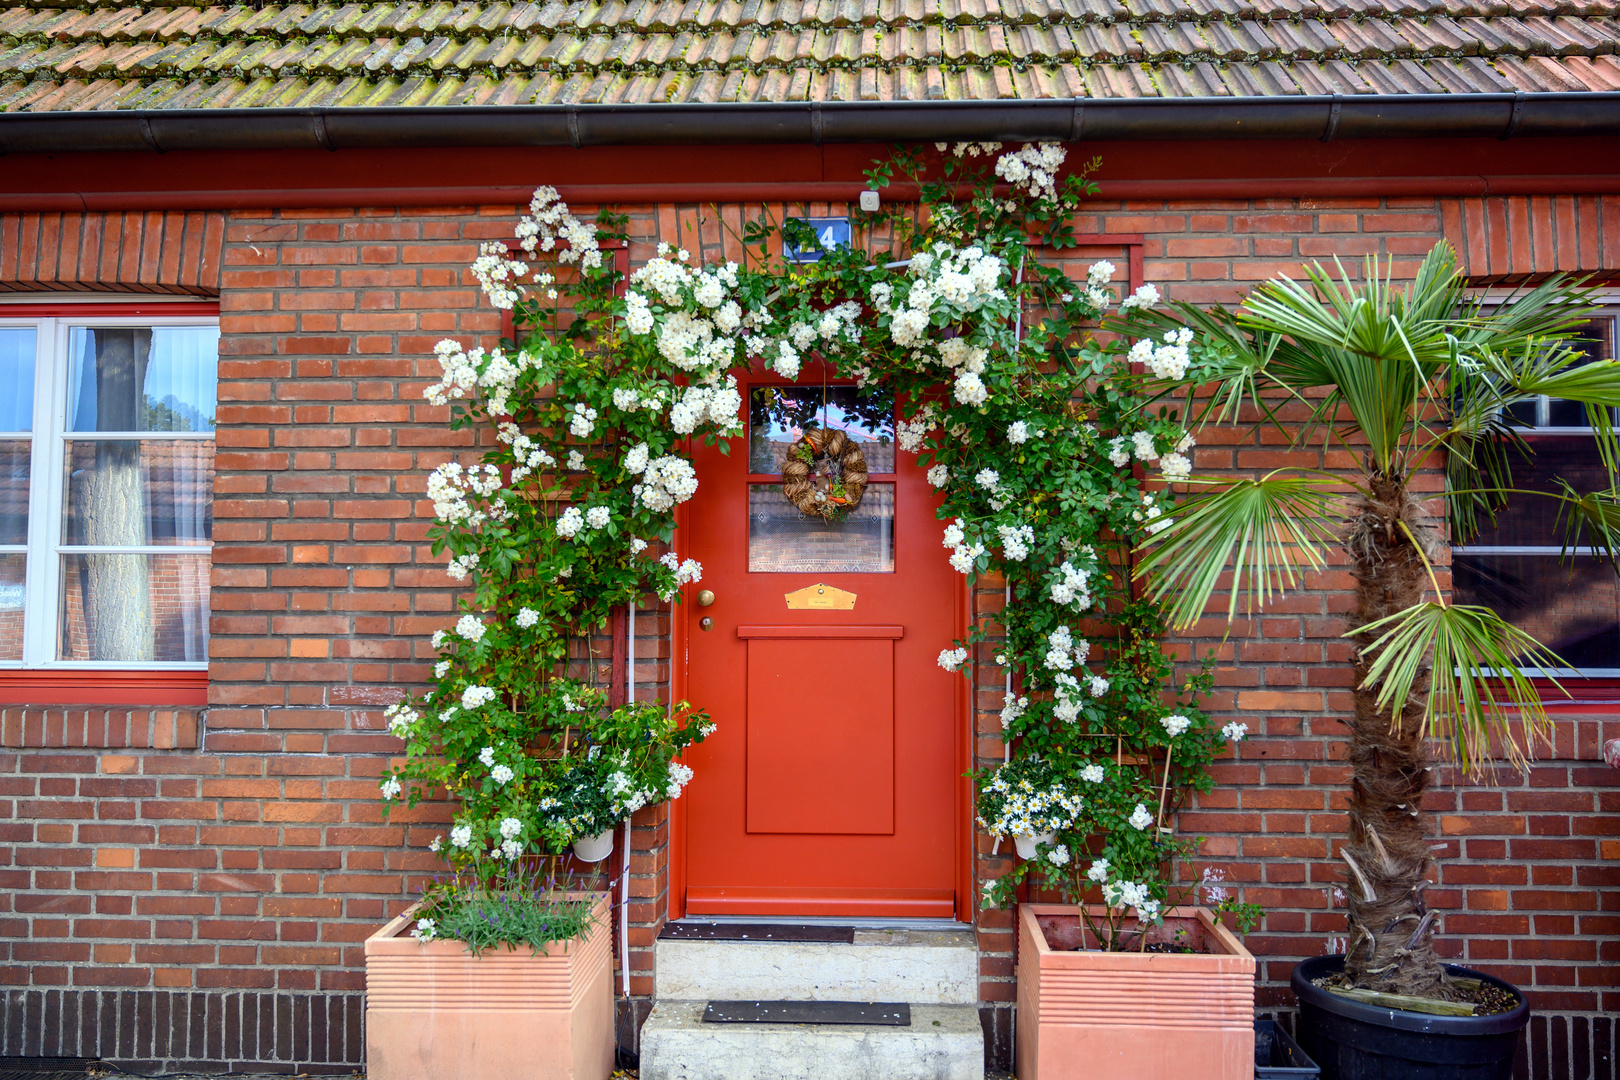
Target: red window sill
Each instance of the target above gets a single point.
(80, 687)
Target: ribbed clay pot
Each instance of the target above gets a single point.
(434, 1011)
(1084, 1014)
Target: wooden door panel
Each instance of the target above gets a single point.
(834, 783)
(821, 734)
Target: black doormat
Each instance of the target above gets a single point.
(881, 1013)
(708, 931)
(44, 1068)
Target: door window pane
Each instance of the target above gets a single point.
(784, 539)
(14, 492)
(132, 608)
(16, 378)
(142, 378)
(124, 493)
(12, 568)
(778, 415)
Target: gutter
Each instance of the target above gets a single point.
(1324, 117)
(791, 191)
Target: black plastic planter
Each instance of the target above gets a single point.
(1278, 1057)
(1350, 1040)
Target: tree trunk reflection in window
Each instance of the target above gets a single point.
(152, 489)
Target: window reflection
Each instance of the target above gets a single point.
(16, 378)
(784, 539)
(778, 415)
(142, 378)
(1571, 606)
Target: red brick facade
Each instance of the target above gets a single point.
(234, 858)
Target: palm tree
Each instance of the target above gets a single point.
(1396, 377)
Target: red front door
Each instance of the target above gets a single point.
(833, 784)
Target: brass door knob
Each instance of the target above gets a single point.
(705, 623)
(705, 597)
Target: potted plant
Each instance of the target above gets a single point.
(1395, 376)
(1137, 984)
(495, 972)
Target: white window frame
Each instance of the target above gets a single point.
(1607, 304)
(47, 454)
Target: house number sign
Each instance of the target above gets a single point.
(819, 597)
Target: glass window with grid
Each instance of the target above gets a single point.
(106, 491)
(1517, 564)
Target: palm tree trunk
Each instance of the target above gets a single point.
(1390, 944)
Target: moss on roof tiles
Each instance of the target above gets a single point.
(546, 50)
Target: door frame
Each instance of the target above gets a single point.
(681, 635)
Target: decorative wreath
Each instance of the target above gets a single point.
(824, 474)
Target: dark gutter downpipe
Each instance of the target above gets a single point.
(1325, 117)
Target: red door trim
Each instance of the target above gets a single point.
(966, 878)
(680, 633)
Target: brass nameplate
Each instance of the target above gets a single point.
(820, 597)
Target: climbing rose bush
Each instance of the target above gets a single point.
(1052, 451)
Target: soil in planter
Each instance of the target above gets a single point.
(1067, 933)
(1486, 999)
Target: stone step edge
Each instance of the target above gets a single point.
(944, 1042)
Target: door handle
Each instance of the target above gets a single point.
(705, 597)
(705, 623)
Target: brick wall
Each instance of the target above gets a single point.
(250, 867)
(152, 252)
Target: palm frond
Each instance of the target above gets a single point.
(1481, 444)
(1592, 519)
(1270, 530)
(1553, 374)
(1479, 686)
(1548, 312)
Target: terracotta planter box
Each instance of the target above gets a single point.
(1136, 1015)
(436, 1012)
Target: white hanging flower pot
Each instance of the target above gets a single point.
(594, 848)
(1026, 845)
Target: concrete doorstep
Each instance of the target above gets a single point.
(934, 971)
(944, 1042)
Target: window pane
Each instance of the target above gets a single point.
(124, 493)
(142, 378)
(1597, 340)
(16, 378)
(778, 415)
(14, 492)
(1530, 520)
(12, 570)
(784, 539)
(1573, 608)
(134, 608)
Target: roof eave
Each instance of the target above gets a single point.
(1325, 117)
